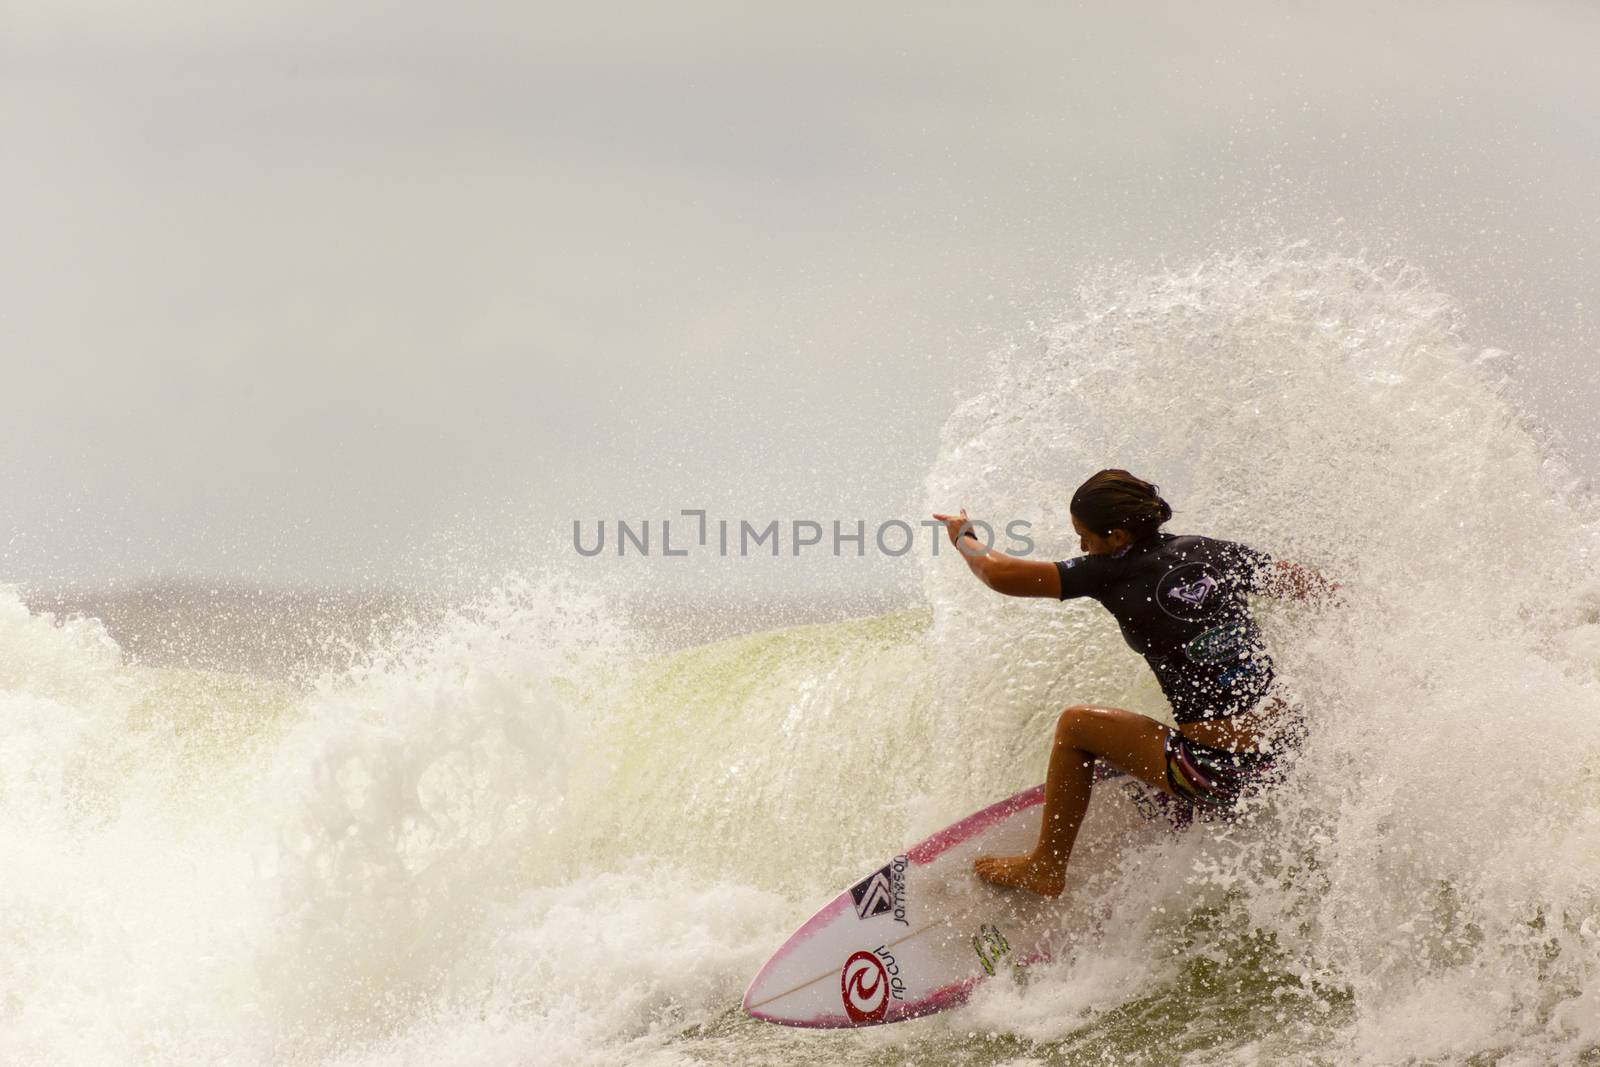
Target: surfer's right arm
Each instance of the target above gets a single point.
(1002, 573)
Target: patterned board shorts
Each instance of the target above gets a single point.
(1204, 780)
(1212, 776)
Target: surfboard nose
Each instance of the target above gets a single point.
(915, 935)
(769, 990)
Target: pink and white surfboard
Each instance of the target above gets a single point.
(917, 934)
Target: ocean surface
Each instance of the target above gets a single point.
(548, 827)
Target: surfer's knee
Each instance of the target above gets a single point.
(1070, 726)
(1091, 728)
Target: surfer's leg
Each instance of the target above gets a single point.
(1127, 740)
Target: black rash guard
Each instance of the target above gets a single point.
(1182, 603)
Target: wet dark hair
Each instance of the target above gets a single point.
(1116, 500)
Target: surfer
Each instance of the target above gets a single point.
(1181, 602)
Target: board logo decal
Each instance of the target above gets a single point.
(874, 895)
(991, 946)
(884, 890)
(864, 984)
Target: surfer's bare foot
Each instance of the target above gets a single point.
(1023, 872)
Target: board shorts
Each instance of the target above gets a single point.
(1210, 776)
(1204, 780)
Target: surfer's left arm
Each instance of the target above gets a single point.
(1002, 573)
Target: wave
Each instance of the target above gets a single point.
(520, 833)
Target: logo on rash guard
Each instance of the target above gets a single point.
(864, 984)
(1220, 644)
(1188, 592)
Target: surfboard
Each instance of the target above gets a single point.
(917, 934)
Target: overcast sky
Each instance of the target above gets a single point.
(377, 292)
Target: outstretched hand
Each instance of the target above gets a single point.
(954, 524)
